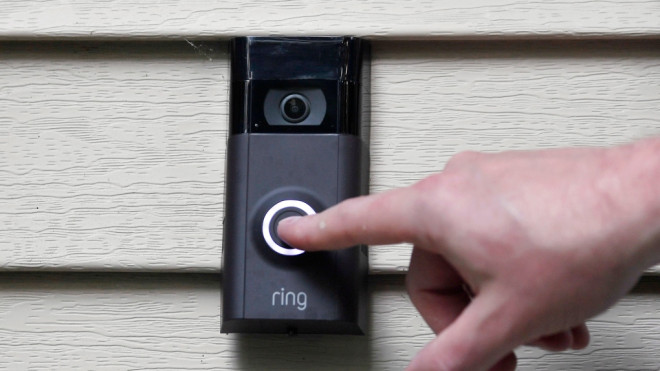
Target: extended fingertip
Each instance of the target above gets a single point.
(289, 221)
(580, 337)
(286, 227)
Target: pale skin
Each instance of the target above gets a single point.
(542, 240)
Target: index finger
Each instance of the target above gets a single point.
(384, 218)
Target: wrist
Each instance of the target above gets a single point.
(636, 168)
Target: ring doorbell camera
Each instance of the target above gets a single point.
(297, 145)
(295, 108)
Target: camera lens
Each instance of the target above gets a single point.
(295, 108)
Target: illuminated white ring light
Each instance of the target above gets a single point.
(265, 226)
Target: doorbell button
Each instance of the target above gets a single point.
(277, 213)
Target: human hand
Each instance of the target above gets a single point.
(543, 239)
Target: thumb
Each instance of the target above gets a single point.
(482, 335)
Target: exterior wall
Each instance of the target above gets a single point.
(114, 145)
(438, 19)
(113, 122)
(95, 321)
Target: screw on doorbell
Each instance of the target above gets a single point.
(277, 213)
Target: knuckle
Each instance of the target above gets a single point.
(410, 285)
(463, 159)
(340, 228)
(438, 186)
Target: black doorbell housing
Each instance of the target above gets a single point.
(297, 145)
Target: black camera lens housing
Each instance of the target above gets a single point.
(300, 108)
(295, 108)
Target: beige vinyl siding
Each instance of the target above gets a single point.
(115, 150)
(113, 126)
(385, 19)
(172, 322)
